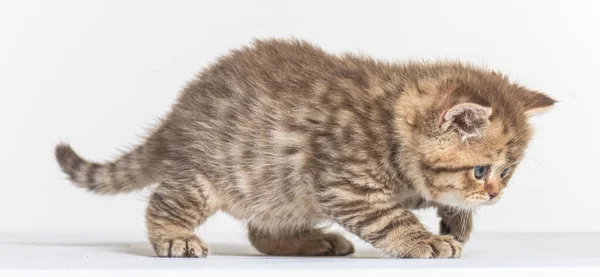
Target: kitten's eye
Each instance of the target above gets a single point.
(480, 171)
(504, 172)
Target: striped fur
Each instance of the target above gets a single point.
(284, 136)
(128, 173)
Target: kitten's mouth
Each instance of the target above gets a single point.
(493, 200)
(482, 201)
(473, 201)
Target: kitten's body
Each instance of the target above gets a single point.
(283, 136)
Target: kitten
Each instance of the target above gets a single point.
(284, 136)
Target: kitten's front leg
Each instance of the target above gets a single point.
(370, 213)
(455, 222)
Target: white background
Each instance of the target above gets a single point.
(97, 73)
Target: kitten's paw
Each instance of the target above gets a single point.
(309, 243)
(190, 247)
(328, 244)
(335, 245)
(434, 246)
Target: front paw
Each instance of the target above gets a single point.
(191, 247)
(427, 246)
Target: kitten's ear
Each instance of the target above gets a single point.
(468, 118)
(535, 102)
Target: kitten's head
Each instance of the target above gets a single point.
(466, 134)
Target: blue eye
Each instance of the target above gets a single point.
(480, 171)
(504, 172)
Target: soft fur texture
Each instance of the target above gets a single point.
(284, 136)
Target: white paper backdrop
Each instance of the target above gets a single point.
(96, 73)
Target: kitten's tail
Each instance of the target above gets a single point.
(128, 173)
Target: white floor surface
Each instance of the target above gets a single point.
(486, 255)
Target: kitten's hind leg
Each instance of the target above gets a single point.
(306, 243)
(175, 209)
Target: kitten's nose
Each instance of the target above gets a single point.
(493, 189)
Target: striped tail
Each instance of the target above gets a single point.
(128, 173)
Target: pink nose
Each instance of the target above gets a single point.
(493, 189)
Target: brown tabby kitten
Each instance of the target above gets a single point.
(283, 135)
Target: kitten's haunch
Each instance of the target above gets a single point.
(285, 136)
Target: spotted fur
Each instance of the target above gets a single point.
(285, 136)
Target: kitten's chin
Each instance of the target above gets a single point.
(454, 199)
(493, 201)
